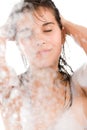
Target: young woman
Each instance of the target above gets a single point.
(45, 97)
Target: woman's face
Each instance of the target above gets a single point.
(40, 37)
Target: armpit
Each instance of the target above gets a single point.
(80, 76)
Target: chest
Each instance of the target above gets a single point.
(47, 120)
(35, 110)
(44, 107)
(43, 121)
(38, 110)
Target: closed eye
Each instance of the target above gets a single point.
(48, 30)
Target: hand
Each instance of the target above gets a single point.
(78, 32)
(63, 20)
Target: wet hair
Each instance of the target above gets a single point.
(30, 5)
(47, 4)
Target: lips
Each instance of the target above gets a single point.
(44, 51)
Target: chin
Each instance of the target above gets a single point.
(44, 65)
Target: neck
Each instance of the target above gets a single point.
(42, 71)
(43, 74)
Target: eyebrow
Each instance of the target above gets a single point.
(47, 23)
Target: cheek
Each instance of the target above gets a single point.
(24, 44)
(56, 40)
(29, 50)
(57, 44)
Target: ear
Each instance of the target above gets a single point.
(63, 33)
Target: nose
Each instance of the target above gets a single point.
(40, 42)
(40, 39)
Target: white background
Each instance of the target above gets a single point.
(73, 10)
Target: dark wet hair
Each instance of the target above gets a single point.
(64, 68)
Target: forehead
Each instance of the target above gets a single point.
(44, 14)
(36, 17)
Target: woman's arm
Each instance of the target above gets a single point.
(79, 78)
(78, 32)
(4, 73)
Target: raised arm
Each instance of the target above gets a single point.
(79, 33)
(7, 32)
(4, 73)
(79, 78)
